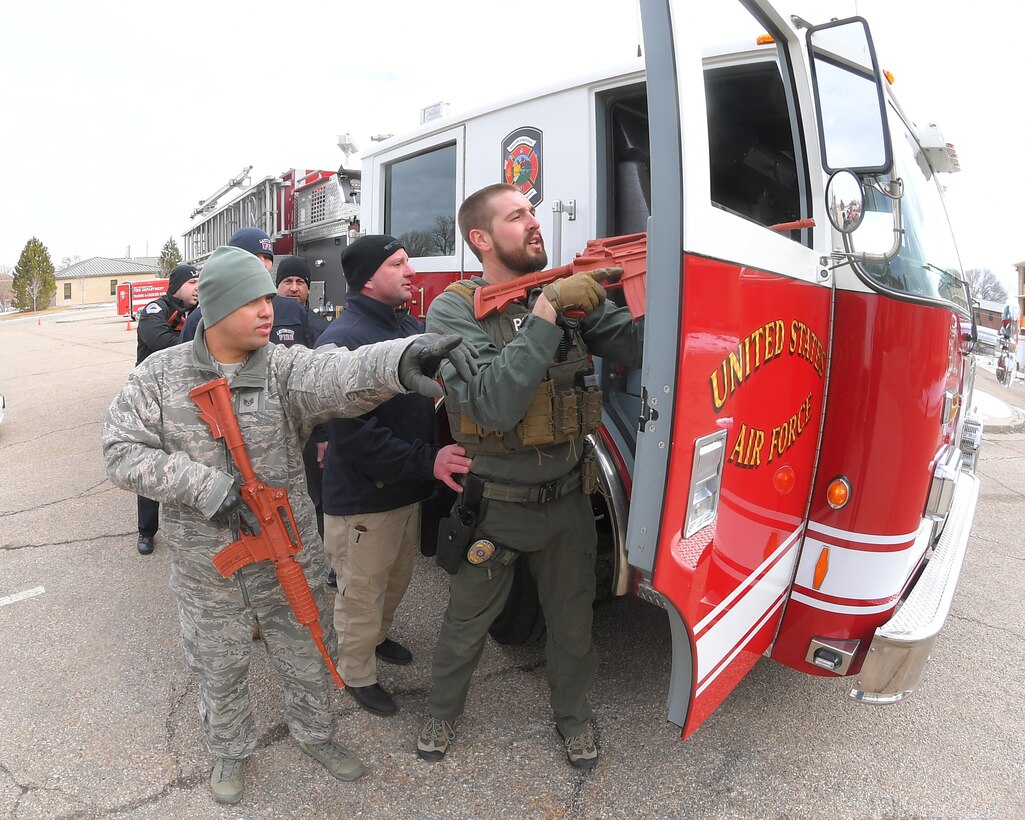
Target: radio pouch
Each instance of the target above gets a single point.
(456, 532)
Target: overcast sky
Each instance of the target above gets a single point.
(118, 118)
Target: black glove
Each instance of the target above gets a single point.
(421, 360)
(233, 507)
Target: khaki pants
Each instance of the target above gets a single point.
(373, 565)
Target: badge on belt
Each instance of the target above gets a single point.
(480, 551)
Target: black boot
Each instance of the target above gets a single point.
(374, 699)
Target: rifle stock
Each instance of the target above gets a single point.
(629, 252)
(276, 537)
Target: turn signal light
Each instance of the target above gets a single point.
(838, 493)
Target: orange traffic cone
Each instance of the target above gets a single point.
(128, 325)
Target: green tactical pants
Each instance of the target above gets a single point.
(559, 541)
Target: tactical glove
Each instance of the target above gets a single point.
(420, 362)
(581, 292)
(233, 508)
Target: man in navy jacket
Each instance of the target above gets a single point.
(378, 469)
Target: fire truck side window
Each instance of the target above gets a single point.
(631, 169)
(754, 170)
(420, 202)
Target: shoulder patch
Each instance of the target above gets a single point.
(153, 307)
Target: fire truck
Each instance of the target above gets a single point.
(132, 297)
(309, 213)
(790, 472)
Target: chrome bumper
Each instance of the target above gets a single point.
(901, 646)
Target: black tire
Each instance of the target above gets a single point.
(522, 622)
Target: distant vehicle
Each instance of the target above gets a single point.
(132, 297)
(987, 342)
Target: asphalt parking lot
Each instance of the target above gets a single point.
(99, 711)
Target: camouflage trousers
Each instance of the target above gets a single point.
(218, 639)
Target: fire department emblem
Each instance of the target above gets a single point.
(521, 162)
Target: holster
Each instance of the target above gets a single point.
(456, 532)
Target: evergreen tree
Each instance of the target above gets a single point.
(170, 257)
(34, 282)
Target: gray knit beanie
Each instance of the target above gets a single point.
(230, 279)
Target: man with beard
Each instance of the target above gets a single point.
(523, 419)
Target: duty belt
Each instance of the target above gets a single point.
(533, 494)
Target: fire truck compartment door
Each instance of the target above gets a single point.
(737, 330)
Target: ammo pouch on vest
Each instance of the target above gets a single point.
(566, 406)
(456, 532)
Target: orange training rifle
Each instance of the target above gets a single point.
(272, 539)
(629, 252)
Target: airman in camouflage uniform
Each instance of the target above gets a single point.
(155, 444)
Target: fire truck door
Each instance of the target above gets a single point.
(736, 334)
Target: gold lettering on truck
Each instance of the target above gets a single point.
(760, 347)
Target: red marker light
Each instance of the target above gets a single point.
(784, 479)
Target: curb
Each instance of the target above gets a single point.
(1014, 423)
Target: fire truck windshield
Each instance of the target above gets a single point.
(927, 264)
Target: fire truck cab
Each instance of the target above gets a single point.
(784, 475)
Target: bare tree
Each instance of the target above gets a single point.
(417, 243)
(440, 240)
(985, 284)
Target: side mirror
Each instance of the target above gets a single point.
(845, 201)
(849, 94)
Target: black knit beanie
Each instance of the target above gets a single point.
(362, 258)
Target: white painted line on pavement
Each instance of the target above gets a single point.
(21, 596)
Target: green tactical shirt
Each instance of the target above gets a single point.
(498, 396)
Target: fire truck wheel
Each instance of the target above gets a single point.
(522, 622)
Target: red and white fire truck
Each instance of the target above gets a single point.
(789, 473)
(309, 213)
(132, 297)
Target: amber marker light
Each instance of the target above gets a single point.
(784, 479)
(765, 39)
(838, 493)
(821, 568)
(889, 77)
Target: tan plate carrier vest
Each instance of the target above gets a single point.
(564, 408)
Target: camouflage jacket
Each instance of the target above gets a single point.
(155, 445)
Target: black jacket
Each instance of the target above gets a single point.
(315, 324)
(160, 324)
(384, 459)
